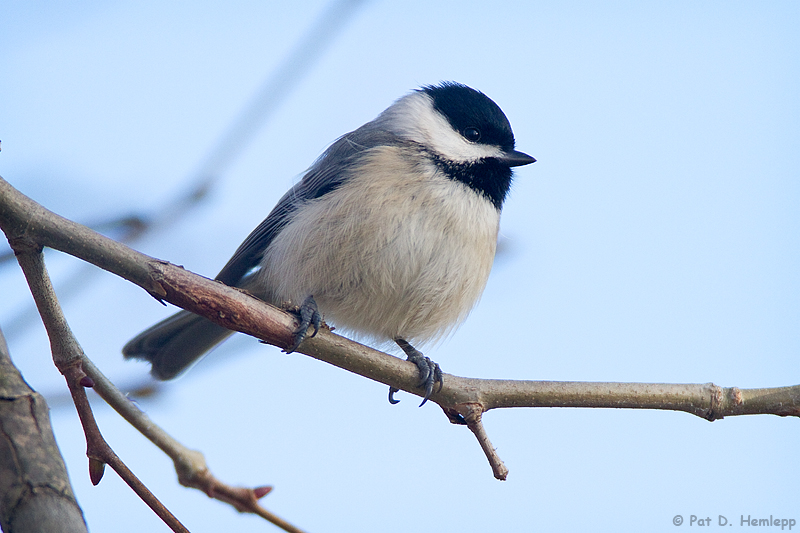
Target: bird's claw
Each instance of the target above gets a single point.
(392, 390)
(429, 372)
(429, 375)
(309, 316)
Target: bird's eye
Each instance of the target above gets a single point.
(471, 134)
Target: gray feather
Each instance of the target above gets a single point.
(175, 343)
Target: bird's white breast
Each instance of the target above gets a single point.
(399, 251)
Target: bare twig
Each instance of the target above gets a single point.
(269, 96)
(80, 373)
(278, 86)
(473, 415)
(190, 465)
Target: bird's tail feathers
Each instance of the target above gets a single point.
(175, 343)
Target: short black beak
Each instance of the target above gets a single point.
(516, 159)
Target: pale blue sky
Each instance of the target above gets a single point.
(656, 239)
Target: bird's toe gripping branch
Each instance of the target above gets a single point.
(309, 315)
(429, 372)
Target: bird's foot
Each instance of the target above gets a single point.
(429, 372)
(309, 316)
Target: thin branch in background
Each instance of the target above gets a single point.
(277, 87)
(268, 98)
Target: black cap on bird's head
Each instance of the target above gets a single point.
(477, 118)
(462, 131)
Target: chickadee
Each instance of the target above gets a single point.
(391, 234)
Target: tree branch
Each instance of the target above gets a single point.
(35, 492)
(80, 373)
(190, 465)
(460, 397)
(68, 357)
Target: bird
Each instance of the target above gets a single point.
(390, 235)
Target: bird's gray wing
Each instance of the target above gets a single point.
(328, 172)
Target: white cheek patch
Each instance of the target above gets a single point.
(413, 117)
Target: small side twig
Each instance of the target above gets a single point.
(100, 453)
(190, 465)
(473, 415)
